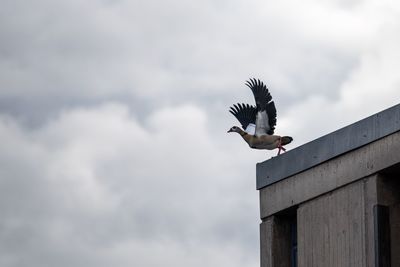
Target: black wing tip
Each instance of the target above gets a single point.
(260, 91)
(253, 82)
(244, 113)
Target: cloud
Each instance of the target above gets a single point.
(170, 52)
(113, 119)
(96, 185)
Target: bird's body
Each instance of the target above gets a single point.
(263, 116)
(259, 142)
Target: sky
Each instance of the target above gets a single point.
(114, 118)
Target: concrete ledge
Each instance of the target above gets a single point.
(337, 172)
(328, 147)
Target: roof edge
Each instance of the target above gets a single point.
(328, 146)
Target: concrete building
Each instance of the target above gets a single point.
(336, 200)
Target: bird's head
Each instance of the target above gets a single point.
(234, 129)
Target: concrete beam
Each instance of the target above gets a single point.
(330, 175)
(328, 147)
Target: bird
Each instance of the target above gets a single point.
(259, 121)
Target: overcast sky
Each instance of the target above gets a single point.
(113, 119)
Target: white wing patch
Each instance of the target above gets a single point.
(251, 128)
(262, 123)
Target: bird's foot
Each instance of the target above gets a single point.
(280, 147)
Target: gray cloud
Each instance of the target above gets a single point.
(167, 53)
(113, 119)
(94, 179)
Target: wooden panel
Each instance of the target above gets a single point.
(331, 229)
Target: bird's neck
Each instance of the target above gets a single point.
(242, 133)
(247, 137)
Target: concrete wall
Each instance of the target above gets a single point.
(336, 229)
(330, 175)
(388, 194)
(347, 207)
(395, 234)
(274, 242)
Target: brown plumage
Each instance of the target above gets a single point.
(263, 116)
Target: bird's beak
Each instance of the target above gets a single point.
(230, 130)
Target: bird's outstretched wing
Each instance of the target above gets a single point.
(266, 111)
(245, 114)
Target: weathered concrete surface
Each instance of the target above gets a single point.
(330, 175)
(266, 242)
(395, 233)
(275, 242)
(331, 229)
(329, 146)
(337, 229)
(345, 193)
(389, 195)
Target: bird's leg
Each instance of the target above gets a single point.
(280, 147)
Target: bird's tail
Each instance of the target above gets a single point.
(286, 140)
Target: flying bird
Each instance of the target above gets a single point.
(258, 122)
